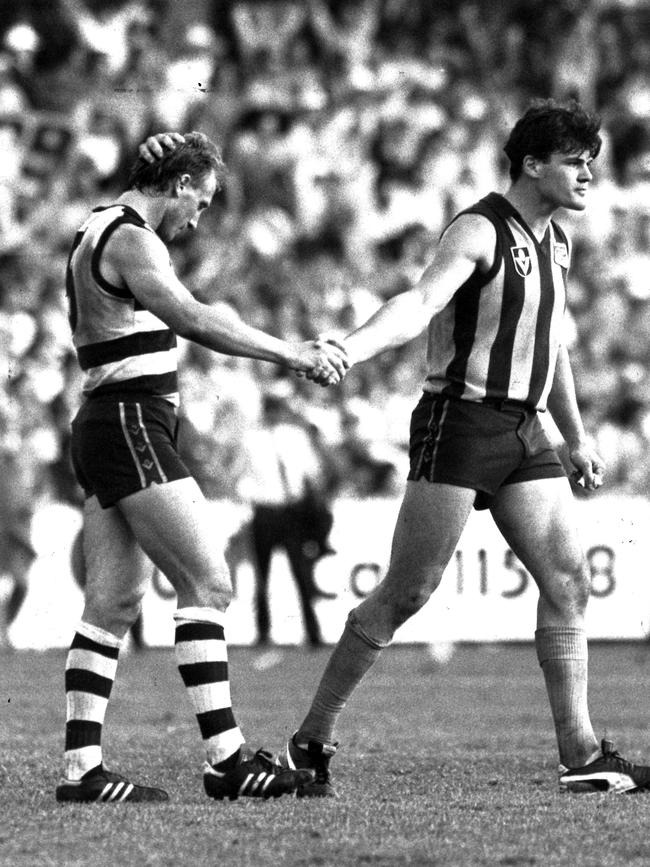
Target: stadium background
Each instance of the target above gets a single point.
(352, 131)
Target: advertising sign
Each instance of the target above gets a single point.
(486, 595)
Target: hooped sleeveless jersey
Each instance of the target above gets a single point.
(499, 336)
(121, 346)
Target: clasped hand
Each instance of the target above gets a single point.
(323, 361)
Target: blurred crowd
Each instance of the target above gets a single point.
(352, 132)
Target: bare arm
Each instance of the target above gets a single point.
(563, 406)
(139, 260)
(468, 243)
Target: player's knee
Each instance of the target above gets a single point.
(212, 591)
(116, 615)
(569, 593)
(128, 611)
(220, 597)
(409, 604)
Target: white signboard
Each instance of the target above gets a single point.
(485, 595)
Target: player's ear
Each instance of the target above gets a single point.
(182, 181)
(531, 166)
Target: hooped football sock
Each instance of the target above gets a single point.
(202, 657)
(89, 674)
(562, 652)
(353, 656)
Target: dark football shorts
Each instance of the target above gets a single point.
(121, 445)
(479, 446)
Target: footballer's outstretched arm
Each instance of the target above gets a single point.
(141, 261)
(468, 243)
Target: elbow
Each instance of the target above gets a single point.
(188, 331)
(190, 324)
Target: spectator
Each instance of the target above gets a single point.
(284, 482)
(349, 129)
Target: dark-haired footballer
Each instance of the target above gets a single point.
(493, 300)
(126, 308)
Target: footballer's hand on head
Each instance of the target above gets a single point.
(155, 147)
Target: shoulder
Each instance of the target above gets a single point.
(471, 222)
(470, 234)
(131, 241)
(136, 257)
(136, 233)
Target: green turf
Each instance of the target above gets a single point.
(438, 766)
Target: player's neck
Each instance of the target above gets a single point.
(536, 211)
(151, 208)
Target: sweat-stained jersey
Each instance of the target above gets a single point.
(121, 347)
(499, 336)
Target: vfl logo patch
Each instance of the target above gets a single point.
(561, 255)
(522, 260)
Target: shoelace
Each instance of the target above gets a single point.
(621, 763)
(639, 773)
(266, 760)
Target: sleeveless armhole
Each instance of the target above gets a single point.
(484, 210)
(128, 218)
(563, 237)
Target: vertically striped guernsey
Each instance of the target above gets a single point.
(499, 335)
(121, 347)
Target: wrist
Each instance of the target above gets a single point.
(290, 356)
(577, 443)
(351, 352)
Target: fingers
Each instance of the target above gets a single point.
(590, 474)
(154, 147)
(334, 355)
(322, 362)
(331, 338)
(319, 376)
(596, 471)
(595, 479)
(323, 375)
(324, 378)
(336, 366)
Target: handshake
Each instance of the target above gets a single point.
(323, 360)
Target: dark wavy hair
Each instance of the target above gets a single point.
(196, 156)
(551, 127)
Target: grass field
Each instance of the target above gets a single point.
(451, 765)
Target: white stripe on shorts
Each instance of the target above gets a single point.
(132, 449)
(129, 442)
(163, 477)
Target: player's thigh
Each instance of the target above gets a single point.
(115, 570)
(538, 521)
(429, 524)
(174, 525)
